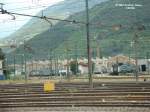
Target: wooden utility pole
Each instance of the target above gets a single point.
(25, 64)
(136, 56)
(148, 63)
(98, 51)
(97, 47)
(50, 62)
(88, 44)
(14, 64)
(67, 57)
(76, 58)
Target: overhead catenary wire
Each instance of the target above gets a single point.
(42, 17)
(98, 25)
(90, 23)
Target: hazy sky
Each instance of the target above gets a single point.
(8, 26)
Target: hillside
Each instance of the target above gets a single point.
(104, 18)
(61, 10)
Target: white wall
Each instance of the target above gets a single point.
(1, 71)
(84, 70)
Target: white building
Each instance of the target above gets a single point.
(144, 64)
(83, 68)
(1, 67)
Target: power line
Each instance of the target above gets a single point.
(42, 17)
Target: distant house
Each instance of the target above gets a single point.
(1, 67)
(99, 68)
(100, 65)
(83, 67)
(2, 77)
(144, 64)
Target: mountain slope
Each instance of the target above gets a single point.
(61, 10)
(104, 18)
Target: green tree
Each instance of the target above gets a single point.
(2, 55)
(74, 67)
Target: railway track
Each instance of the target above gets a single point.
(76, 95)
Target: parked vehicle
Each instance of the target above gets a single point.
(127, 68)
(36, 73)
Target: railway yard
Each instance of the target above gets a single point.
(103, 97)
(75, 56)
